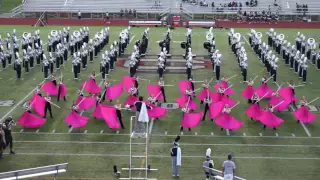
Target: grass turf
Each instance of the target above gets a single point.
(92, 155)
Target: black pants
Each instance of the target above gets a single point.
(38, 59)
(218, 73)
(71, 50)
(31, 62)
(244, 74)
(206, 108)
(59, 92)
(9, 59)
(120, 118)
(51, 68)
(91, 56)
(164, 94)
(160, 72)
(103, 72)
(46, 108)
(304, 75)
(300, 71)
(189, 72)
(274, 75)
(45, 71)
(58, 63)
(75, 71)
(318, 63)
(18, 69)
(96, 51)
(9, 141)
(4, 63)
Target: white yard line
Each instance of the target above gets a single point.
(161, 156)
(172, 135)
(132, 38)
(180, 144)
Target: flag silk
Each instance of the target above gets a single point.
(85, 102)
(113, 92)
(127, 83)
(50, 88)
(29, 120)
(304, 115)
(76, 120)
(110, 117)
(184, 85)
(91, 86)
(38, 104)
(154, 90)
(191, 120)
(183, 100)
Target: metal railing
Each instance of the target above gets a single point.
(35, 172)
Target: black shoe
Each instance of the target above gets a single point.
(11, 152)
(69, 126)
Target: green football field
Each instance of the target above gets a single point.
(291, 152)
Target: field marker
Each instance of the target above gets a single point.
(277, 134)
(37, 131)
(70, 130)
(260, 134)
(228, 132)
(53, 131)
(101, 131)
(166, 156)
(11, 79)
(293, 135)
(165, 132)
(21, 130)
(244, 134)
(34, 78)
(117, 132)
(212, 134)
(181, 133)
(195, 133)
(85, 132)
(22, 79)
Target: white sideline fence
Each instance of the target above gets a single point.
(218, 174)
(35, 172)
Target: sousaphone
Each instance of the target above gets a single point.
(54, 33)
(183, 45)
(311, 42)
(259, 35)
(237, 36)
(26, 35)
(76, 34)
(206, 45)
(281, 37)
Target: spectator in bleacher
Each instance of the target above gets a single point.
(275, 3)
(79, 14)
(121, 13)
(203, 3)
(107, 16)
(134, 13)
(240, 5)
(126, 13)
(228, 169)
(130, 12)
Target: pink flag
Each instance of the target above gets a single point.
(184, 85)
(215, 109)
(230, 102)
(128, 82)
(304, 115)
(38, 104)
(223, 84)
(216, 97)
(263, 89)
(276, 100)
(269, 119)
(156, 112)
(254, 111)
(191, 120)
(248, 92)
(63, 90)
(226, 121)
(203, 94)
(76, 120)
(86, 102)
(130, 100)
(110, 117)
(91, 86)
(50, 88)
(97, 111)
(29, 120)
(154, 90)
(113, 92)
(183, 100)
(287, 93)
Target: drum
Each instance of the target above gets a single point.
(206, 45)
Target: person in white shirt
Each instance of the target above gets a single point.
(228, 169)
(79, 14)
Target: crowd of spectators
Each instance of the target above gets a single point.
(128, 13)
(303, 8)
